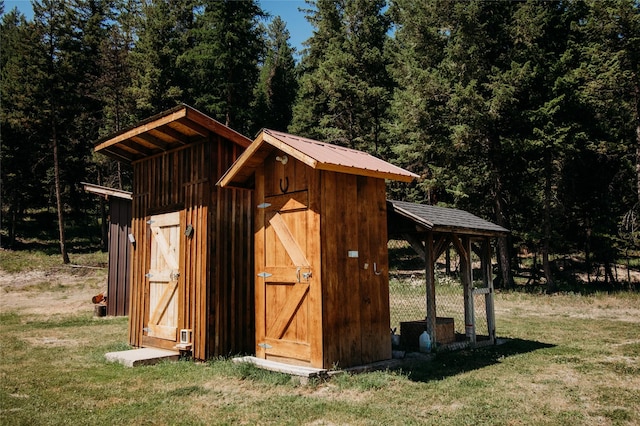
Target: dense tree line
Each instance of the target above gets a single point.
(524, 112)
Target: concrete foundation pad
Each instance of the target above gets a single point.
(142, 356)
(304, 373)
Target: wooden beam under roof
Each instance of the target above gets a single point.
(168, 134)
(142, 129)
(106, 191)
(151, 141)
(171, 129)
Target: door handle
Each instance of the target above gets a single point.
(298, 274)
(307, 275)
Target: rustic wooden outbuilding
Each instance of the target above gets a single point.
(191, 263)
(431, 230)
(118, 247)
(321, 264)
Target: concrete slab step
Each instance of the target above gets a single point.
(293, 370)
(142, 356)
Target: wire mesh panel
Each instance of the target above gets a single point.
(407, 287)
(450, 299)
(480, 309)
(407, 298)
(407, 291)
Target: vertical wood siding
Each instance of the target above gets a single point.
(346, 315)
(354, 218)
(119, 251)
(215, 280)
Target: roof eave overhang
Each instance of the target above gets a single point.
(121, 146)
(426, 226)
(106, 192)
(241, 172)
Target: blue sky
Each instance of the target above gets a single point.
(297, 25)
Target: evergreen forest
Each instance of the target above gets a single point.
(526, 113)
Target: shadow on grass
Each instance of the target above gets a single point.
(448, 364)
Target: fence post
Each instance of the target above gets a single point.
(466, 276)
(430, 286)
(488, 281)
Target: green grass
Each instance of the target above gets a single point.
(569, 359)
(23, 261)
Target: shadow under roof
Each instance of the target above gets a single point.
(163, 132)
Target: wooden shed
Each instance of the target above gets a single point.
(118, 246)
(321, 264)
(191, 263)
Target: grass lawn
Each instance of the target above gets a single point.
(569, 359)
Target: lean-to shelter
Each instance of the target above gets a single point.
(321, 264)
(191, 279)
(431, 230)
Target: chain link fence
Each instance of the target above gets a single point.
(407, 289)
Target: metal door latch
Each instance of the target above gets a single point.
(307, 275)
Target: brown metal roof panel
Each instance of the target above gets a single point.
(315, 154)
(333, 157)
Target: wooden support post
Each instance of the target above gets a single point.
(466, 276)
(488, 281)
(430, 286)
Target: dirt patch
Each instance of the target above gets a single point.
(50, 293)
(51, 342)
(594, 307)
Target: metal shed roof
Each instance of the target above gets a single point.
(316, 154)
(170, 129)
(444, 219)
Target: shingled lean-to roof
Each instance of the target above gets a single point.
(444, 219)
(163, 132)
(316, 154)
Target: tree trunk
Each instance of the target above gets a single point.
(637, 119)
(503, 244)
(551, 285)
(56, 172)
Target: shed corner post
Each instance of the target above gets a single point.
(430, 286)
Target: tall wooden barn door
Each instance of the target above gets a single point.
(164, 271)
(284, 280)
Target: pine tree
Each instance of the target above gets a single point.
(21, 149)
(278, 85)
(474, 82)
(608, 83)
(312, 100)
(345, 89)
(55, 84)
(223, 60)
(163, 35)
(419, 117)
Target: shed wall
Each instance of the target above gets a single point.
(119, 252)
(215, 279)
(355, 290)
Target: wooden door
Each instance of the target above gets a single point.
(285, 277)
(164, 271)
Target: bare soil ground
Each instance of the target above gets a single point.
(63, 291)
